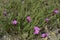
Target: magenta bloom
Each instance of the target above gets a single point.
(56, 11)
(36, 30)
(14, 22)
(28, 19)
(47, 19)
(44, 35)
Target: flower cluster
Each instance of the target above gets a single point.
(37, 29)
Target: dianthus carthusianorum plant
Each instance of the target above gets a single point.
(30, 19)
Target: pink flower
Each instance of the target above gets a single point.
(28, 19)
(56, 11)
(47, 19)
(36, 30)
(44, 35)
(14, 22)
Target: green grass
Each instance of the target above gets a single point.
(20, 9)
